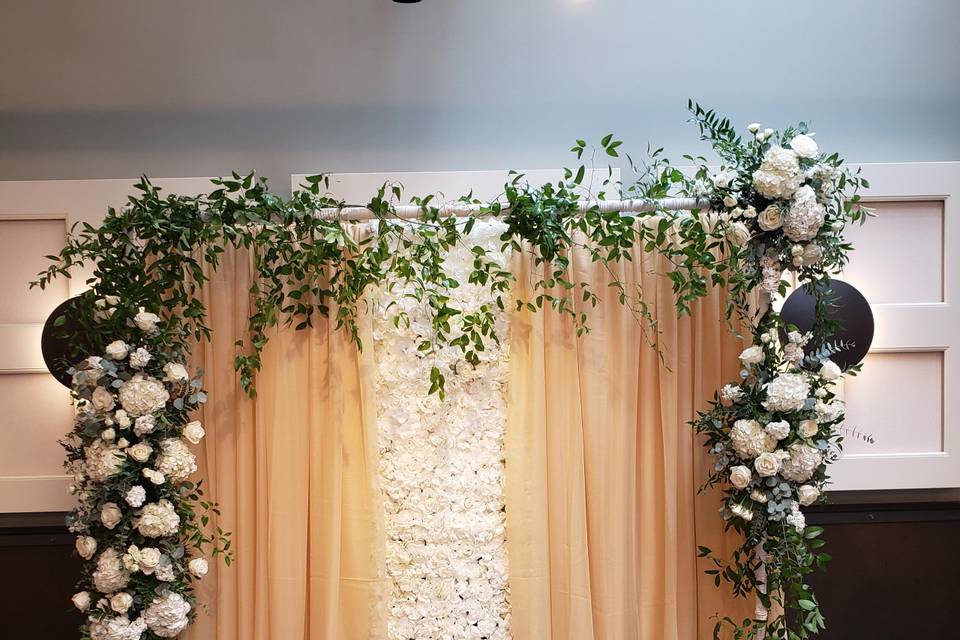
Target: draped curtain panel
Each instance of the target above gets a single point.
(602, 512)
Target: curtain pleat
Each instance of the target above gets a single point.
(602, 470)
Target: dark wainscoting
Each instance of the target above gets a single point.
(893, 575)
(894, 570)
(39, 569)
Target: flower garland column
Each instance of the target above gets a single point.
(441, 466)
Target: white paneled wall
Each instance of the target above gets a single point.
(905, 263)
(34, 219)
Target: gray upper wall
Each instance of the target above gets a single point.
(101, 89)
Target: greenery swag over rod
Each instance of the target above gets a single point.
(777, 203)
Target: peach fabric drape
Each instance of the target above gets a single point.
(295, 473)
(602, 470)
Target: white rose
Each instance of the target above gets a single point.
(753, 127)
(148, 559)
(108, 434)
(123, 443)
(729, 201)
(770, 218)
(121, 602)
(809, 428)
(198, 567)
(175, 372)
(811, 254)
(123, 420)
(723, 179)
(86, 546)
(829, 370)
(117, 350)
(767, 464)
(738, 234)
(146, 321)
(808, 494)
(758, 496)
(140, 452)
(779, 429)
(752, 355)
(81, 600)
(110, 515)
(731, 393)
(193, 431)
(102, 399)
(750, 212)
(804, 146)
(740, 476)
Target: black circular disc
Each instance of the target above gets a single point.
(848, 307)
(63, 340)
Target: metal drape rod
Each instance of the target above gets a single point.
(460, 210)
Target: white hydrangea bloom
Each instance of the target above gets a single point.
(166, 616)
(779, 174)
(787, 392)
(175, 461)
(749, 439)
(158, 520)
(805, 216)
(117, 628)
(110, 574)
(102, 460)
(802, 463)
(141, 395)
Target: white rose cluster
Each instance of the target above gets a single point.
(787, 392)
(167, 615)
(779, 174)
(175, 461)
(142, 395)
(749, 439)
(441, 475)
(158, 520)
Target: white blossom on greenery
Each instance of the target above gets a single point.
(175, 372)
(146, 321)
(154, 476)
(117, 350)
(740, 476)
(140, 452)
(81, 600)
(110, 515)
(145, 560)
(102, 399)
(804, 146)
(136, 496)
(193, 432)
(198, 567)
(749, 439)
(102, 461)
(807, 494)
(110, 574)
(738, 234)
(741, 511)
(829, 411)
(166, 616)
(86, 546)
(731, 393)
(767, 464)
(808, 428)
(796, 518)
(158, 520)
(121, 602)
(779, 174)
(805, 216)
(141, 395)
(771, 218)
(787, 392)
(140, 358)
(144, 425)
(829, 370)
(802, 463)
(779, 429)
(175, 461)
(118, 628)
(752, 355)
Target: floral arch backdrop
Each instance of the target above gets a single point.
(776, 204)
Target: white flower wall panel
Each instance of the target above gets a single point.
(441, 467)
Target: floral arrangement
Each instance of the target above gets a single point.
(441, 477)
(129, 455)
(777, 203)
(784, 206)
